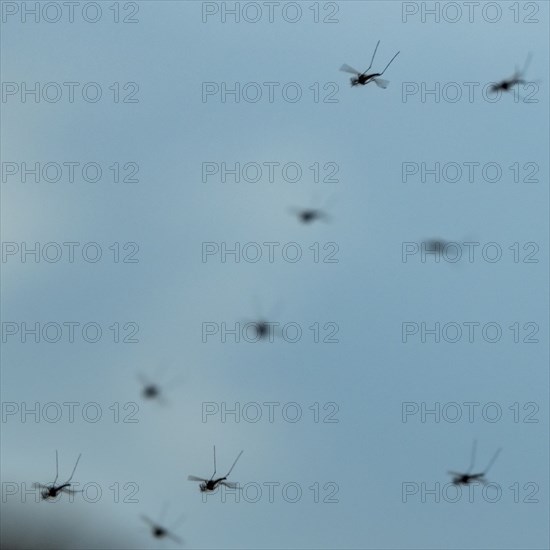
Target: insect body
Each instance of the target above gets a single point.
(362, 78)
(52, 491)
(153, 391)
(208, 485)
(260, 327)
(160, 532)
(467, 478)
(311, 215)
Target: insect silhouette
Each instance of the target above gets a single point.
(467, 478)
(153, 391)
(212, 484)
(52, 490)
(362, 78)
(158, 531)
(310, 215)
(436, 244)
(263, 329)
(517, 78)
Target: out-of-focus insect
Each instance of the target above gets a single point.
(517, 78)
(467, 478)
(158, 531)
(263, 329)
(153, 389)
(435, 245)
(362, 78)
(52, 490)
(311, 214)
(212, 484)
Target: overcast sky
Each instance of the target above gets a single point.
(162, 122)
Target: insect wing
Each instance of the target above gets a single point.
(174, 538)
(148, 521)
(347, 69)
(381, 83)
(195, 478)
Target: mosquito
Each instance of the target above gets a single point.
(212, 484)
(467, 478)
(153, 391)
(517, 78)
(51, 491)
(158, 531)
(364, 78)
(310, 215)
(261, 326)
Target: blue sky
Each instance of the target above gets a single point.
(369, 293)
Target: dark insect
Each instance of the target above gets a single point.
(309, 215)
(154, 391)
(263, 329)
(158, 531)
(362, 78)
(212, 484)
(517, 78)
(52, 490)
(467, 478)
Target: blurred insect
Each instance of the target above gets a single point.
(517, 78)
(467, 478)
(158, 531)
(51, 491)
(212, 484)
(310, 215)
(364, 78)
(154, 391)
(435, 245)
(263, 329)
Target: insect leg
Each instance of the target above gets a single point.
(389, 63)
(372, 60)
